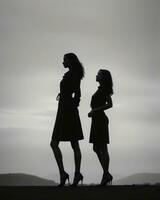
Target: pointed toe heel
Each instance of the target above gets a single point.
(106, 179)
(63, 179)
(77, 178)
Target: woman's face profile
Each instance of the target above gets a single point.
(99, 76)
(66, 62)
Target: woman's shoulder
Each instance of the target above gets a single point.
(103, 93)
(72, 77)
(67, 75)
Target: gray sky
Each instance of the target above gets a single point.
(119, 35)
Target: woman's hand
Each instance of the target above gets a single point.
(91, 113)
(58, 96)
(102, 108)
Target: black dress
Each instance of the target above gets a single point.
(99, 133)
(67, 124)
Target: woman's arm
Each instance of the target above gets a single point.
(105, 107)
(77, 94)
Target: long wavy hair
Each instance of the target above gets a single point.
(76, 65)
(107, 81)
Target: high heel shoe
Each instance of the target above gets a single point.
(78, 177)
(63, 179)
(106, 179)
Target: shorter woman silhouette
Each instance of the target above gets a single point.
(99, 134)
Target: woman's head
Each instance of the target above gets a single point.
(105, 79)
(71, 61)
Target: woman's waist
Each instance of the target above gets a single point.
(100, 115)
(67, 101)
(99, 112)
(65, 97)
(62, 97)
(97, 105)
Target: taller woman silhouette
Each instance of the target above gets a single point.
(67, 125)
(99, 135)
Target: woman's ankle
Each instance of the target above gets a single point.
(76, 172)
(62, 172)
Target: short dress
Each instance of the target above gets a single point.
(67, 124)
(99, 133)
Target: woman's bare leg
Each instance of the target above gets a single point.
(103, 156)
(58, 156)
(77, 155)
(97, 150)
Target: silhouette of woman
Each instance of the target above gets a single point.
(67, 124)
(99, 134)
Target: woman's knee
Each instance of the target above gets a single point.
(105, 149)
(75, 145)
(96, 148)
(54, 144)
(76, 149)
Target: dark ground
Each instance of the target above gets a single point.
(81, 193)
